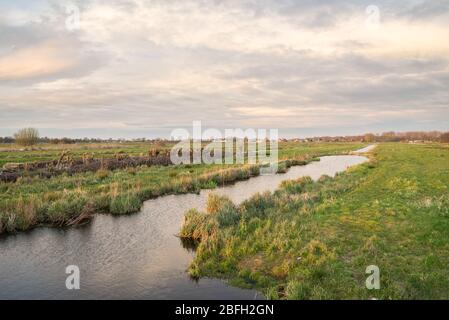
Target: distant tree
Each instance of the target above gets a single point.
(369, 137)
(389, 136)
(445, 137)
(27, 136)
(6, 140)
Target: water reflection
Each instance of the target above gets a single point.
(189, 244)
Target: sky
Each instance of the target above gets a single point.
(129, 69)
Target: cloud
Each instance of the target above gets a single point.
(38, 48)
(42, 60)
(137, 65)
(263, 111)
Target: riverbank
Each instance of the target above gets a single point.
(69, 200)
(314, 240)
(134, 256)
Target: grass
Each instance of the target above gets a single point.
(65, 200)
(314, 240)
(12, 153)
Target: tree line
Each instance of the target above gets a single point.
(30, 136)
(391, 136)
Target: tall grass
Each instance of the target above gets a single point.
(221, 212)
(314, 240)
(70, 199)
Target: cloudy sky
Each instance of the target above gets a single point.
(141, 68)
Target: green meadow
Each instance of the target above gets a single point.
(314, 240)
(12, 153)
(66, 200)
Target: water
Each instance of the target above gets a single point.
(365, 150)
(131, 257)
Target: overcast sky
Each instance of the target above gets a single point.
(141, 68)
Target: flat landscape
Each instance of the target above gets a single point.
(313, 240)
(306, 240)
(71, 199)
(225, 150)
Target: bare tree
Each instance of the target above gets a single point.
(369, 137)
(27, 136)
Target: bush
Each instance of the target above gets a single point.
(20, 214)
(209, 185)
(223, 208)
(27, 136)
(296, 186)
(61, 211)
(228, 216)
(101, 202)
(243, 174)
(254, 170)
(282, 167)
(124, 204)
(215, 203)
(257, 205)
(198, 226)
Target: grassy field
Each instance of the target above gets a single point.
(71, 199)
(12, 153)
(314, 240)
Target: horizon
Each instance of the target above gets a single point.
(280, 137)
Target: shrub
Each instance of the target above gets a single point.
(243, 174)
(223, 208)
(27, 212)
(20, 214)
(228, 216)
(146, 193)
(185, 184)
(254, 170)
(61, 211)
(295, 186)
(229, 175)
(198, 226)
(209, 185)
(101, 202)
(124, 204)
(282, 167)
(257, 205)
(27, 136)
(216, 202)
